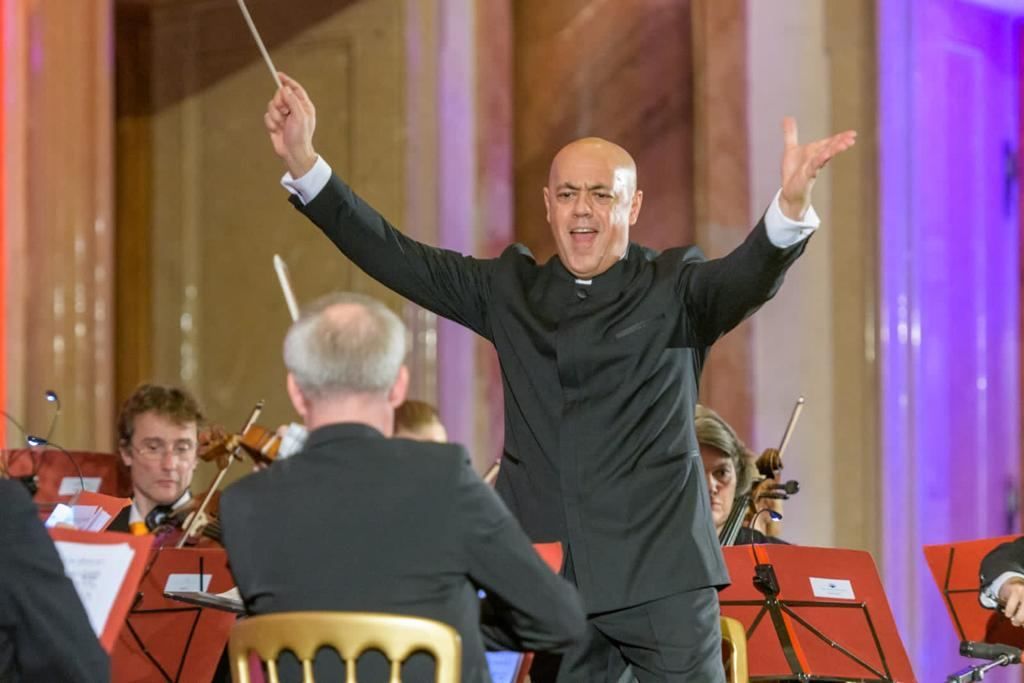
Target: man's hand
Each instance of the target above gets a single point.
(1011, 596)
(801, 163)
(291, 120)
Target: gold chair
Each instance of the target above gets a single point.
(734, 637)
(350, 634)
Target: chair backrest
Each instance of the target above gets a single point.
(350, 634)
(735, 637)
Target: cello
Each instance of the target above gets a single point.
(769, 464)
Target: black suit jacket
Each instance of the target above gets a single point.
(357, 522)
(121, 522)
(44, 632)
(600, 384)
(1008, 557)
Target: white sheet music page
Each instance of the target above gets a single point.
(97, 571)
(83, 517)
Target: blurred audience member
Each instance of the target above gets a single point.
(418, 420)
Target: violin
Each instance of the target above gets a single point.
(169, 528)
(199, 518)
(769, 465)
(262, 445)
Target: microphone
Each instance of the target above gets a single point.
(773, 515)
(990, 651)
(30, 481)
(36, 441)
(51, 397)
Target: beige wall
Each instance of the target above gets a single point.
(215, 211)
(788, 75)
(810, 339)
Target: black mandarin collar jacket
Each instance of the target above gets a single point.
(600, 383)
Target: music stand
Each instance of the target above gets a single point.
(53, 467)
(127, 584)
(57, 476)
(955, 568)
(165, 640)
(821, 615)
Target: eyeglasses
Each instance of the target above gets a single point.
(154, 449)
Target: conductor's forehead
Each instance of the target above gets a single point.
(591, 161)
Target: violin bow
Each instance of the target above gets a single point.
(793, 417)
(281, 268)
(193, 523)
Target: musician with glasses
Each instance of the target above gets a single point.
(158, 437)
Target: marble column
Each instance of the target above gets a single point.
(58, 215)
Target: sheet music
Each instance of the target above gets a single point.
(177, 583)
(83, 517)
(503, 666)
(97, 572)
(72, 485)
(228, 601)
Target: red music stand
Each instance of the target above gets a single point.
(165, 640)
(122, 603)
(53, 467)
(955, 568)
(828, 620)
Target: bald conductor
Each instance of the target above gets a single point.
(601, 349)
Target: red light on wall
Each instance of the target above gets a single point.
(5, 6)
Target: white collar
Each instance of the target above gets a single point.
(135, 516)
(591, 281)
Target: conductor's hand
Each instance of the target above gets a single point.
(1011, 595)
(801, 164)
(291, 120)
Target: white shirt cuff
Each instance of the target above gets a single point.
(308, 186)
(989, 596)
(783, 231)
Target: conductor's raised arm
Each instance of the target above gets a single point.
(291, 120)
(442, 281)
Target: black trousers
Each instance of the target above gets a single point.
(676, 638)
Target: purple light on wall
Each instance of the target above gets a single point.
(457, 206)
(949, 298)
